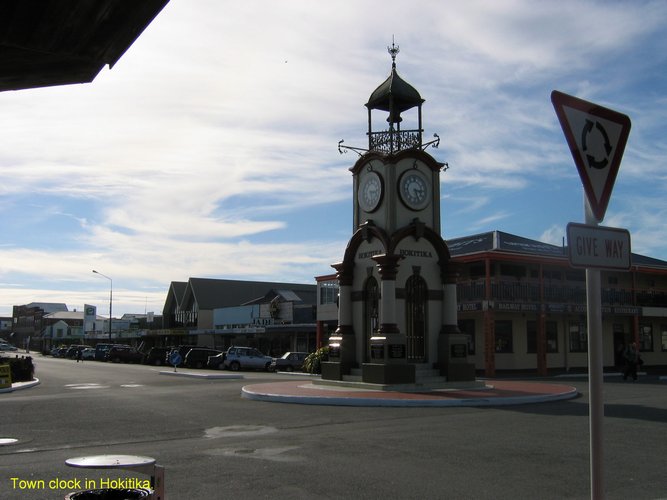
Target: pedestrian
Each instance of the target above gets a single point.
(631, 357)
(79, 355)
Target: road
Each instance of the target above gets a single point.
(215, 444)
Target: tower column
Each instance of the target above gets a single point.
(452, 344)
(342, 344)
(387, 268)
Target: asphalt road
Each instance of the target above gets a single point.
(215, 444)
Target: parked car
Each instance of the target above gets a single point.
(216, 362)
(288, 362)
(7, 347)
(101, 351)
(124, 354)
(197, 357)
(88, 353)
(74, 350)
(246, 358)
(157, 356)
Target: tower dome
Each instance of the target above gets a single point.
(395, 96)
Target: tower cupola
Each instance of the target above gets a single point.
(394, 96)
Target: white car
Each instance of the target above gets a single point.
(4, 346)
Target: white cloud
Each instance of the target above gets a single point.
(217, 130)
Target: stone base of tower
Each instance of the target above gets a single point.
(388, 374)
(453, 356)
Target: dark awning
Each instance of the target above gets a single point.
(59, 42)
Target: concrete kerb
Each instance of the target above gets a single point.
(207, 376)
(17, 386)
(495, 393)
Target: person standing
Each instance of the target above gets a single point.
(631, 357)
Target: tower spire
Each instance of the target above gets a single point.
(393, 51)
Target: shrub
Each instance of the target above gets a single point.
(313, 362)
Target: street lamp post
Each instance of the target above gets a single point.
(110, 298)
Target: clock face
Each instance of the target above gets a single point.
(370, 192)
(414, 190)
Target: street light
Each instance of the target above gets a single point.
(110, 298)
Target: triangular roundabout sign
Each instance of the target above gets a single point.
(596, 137)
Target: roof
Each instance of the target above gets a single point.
(210, 294)
(65, 315)
(59, 42)
(175, 296)
(48, 307)
(501, 242)
(394, 95)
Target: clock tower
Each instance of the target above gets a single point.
(397, 319)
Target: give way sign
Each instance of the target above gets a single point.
(596, 137)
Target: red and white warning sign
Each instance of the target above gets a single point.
(596, 137)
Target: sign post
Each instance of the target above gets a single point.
(596, 137)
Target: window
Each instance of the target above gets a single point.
(328, 292)
(646, 337)
(467, 327)
(551, 332)
(578, 337)
(504, 336)
(663, 334)
(416, 294)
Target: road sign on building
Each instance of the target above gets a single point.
(596, 137)
(598, 247)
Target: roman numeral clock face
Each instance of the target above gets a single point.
(413, 188)
(370, 192)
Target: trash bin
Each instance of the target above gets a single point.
(109, 494)
(137, 464)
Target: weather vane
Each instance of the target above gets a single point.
(393, 50)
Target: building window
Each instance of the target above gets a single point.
(467, 327)
(552, 336)
(328, 292)
(646, 337)
(503, 333)
(663, 333)
(416, 295)
(578, 337)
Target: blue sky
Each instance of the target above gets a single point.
(210, 148)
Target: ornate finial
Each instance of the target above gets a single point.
(393, 50)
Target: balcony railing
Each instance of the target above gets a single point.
(511, 291)
(392, 141)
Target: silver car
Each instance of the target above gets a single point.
(246, 358)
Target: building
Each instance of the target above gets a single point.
(523, 306)
(274, 317)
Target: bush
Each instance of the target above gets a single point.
(313, 362)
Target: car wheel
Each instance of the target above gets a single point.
(234, 366)
(289, 368)
(267, 367)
